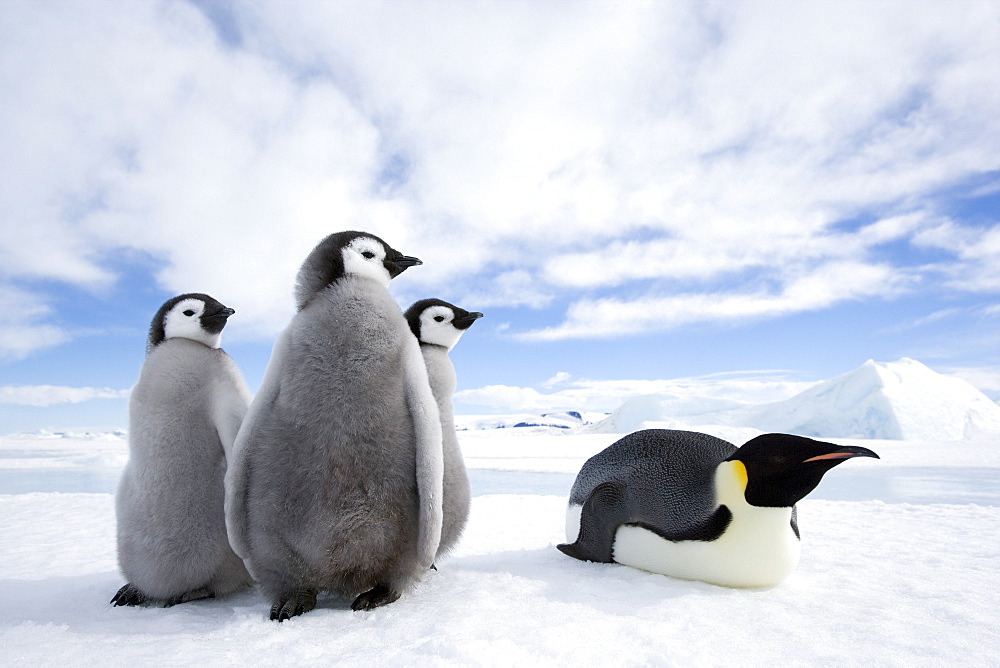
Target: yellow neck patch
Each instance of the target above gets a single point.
(731, 484)
(740, 473)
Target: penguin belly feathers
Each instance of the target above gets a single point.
(336, 483)
(184, 414)
(695, 507)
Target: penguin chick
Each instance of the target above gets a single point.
(184, 414)
(695, 507)
(438, 326)
(336, 483)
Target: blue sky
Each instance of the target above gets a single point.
(729, 198)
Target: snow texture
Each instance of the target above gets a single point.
(899, 568)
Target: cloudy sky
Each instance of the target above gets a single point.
(729, 197)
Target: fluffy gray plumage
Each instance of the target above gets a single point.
(455, 495)
(336, 479)
(438, 325)
(184, 414)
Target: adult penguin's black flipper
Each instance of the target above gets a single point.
(605, 510)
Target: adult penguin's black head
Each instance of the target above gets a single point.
(781, 469)
(348, 253)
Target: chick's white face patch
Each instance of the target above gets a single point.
(365, 257)
(184, 321)
(437, 326)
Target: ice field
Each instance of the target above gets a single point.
(899, 567)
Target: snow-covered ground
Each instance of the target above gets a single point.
(900, 566)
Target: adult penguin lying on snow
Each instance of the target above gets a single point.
(696, 507)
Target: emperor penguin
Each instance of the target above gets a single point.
(336, 483)
(184, 414)
(438, 326)
(695, 507)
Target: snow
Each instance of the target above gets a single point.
(883, 400)
(899, 567)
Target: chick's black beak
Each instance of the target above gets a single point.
(404, 261)
(398, 264)
(846, 452)
(465, 321)
(223, 313)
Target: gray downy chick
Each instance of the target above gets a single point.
(184, 414)
(337, 476)
(438, 326)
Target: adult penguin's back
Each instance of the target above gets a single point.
(667, 473)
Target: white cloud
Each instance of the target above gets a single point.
(21, 332)
(537, 150)
(974, 312)
(936, 316)
(512, 288)
(18, 340)
(821, 288)
(607, 395)
(48, 395)
(721, 247)
(978, 250)
(215, 161)
(558, 379)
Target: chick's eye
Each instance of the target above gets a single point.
(368, 255)
(439, 318)
(189, 313)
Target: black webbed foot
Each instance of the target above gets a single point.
(298, 602)
(193, 595)
(379, 595)
(128, 595)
